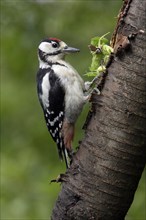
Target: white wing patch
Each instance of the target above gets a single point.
(45, 91)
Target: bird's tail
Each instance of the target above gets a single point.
(64, 154)
(66, 158)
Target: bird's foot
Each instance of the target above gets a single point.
(61, 178)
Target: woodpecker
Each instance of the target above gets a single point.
(61, 92)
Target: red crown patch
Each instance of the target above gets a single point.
(55, 39)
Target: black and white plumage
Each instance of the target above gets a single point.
(61, 93)
(54, 107)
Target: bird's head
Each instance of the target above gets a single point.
(53, 50)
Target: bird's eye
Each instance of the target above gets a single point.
(55, 45)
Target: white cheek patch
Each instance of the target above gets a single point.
(46, 47)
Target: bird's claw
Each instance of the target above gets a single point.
(61, 178)
(97, 91)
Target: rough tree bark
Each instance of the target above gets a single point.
(105, 171)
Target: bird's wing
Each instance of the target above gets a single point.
(54, 113)
(51, 97)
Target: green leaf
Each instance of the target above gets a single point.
(91, 74)
(100, 59)
(107, 50)
(98, 41)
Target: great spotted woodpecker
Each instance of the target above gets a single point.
(61, 92)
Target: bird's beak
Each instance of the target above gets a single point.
(70, 50)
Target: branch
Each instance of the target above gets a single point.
(106, 169)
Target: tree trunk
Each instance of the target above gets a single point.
(106, 169)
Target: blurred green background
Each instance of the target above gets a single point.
(29, 158)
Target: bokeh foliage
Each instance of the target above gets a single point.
(29, 157)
